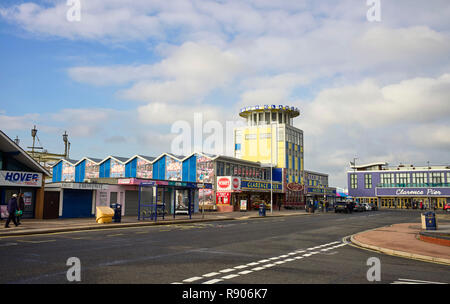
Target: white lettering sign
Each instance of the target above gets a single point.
(417, 192)
(23, 179)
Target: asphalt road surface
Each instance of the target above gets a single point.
(279, 250)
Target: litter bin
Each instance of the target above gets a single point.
(430, 220)
(262, 210)
(117, 212)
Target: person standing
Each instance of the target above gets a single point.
(12, 207)
(20, 207)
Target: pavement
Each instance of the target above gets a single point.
(404, 240)
(35, 226)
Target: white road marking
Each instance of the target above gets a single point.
(230, 276)
(245, 272)
(192, 279)
(241, 266)
(268, 265)
(213, 281)
(211, 274)
(262, 267)
(226, 270)
(420, 281)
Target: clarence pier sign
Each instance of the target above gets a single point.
(435, 191)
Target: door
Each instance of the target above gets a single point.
(131, 203)
(77, 203)
(51, 205)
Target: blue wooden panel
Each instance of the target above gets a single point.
(108, 168)
(159, 168)
(101, 171)
(57, 172)
(128, 170)
(77, 203)
(134, 167)
(193, 169)
(80, 171)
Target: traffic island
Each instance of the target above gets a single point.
(402, 240)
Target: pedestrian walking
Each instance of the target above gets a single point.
(326, 206)
(12, 207)
(20, 208)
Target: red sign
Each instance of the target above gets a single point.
(223, 182)
(236, 183)
(295, 187)
(223, 198)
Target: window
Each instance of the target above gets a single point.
(220, 169)
(387, 179)
(419, 178)
(403, 179)
(437, 177)
(354, 181)
(368, 181)
(448, 178)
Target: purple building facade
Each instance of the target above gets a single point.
(404, 186)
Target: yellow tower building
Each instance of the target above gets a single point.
(270, 138)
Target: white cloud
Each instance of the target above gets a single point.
(433, 135)
(17, 122)
(188, 74)
(166, 114)
(369, 105)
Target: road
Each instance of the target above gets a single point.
(279, 250)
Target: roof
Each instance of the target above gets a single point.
(70, 161)
(292, 111)
(146, 158)
(95, 160)
(118, 158)
(8, 146)
(369, 165)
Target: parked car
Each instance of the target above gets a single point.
(367, 206)
(358, 207)
(374, 207)
(447, 207)
(340, 207)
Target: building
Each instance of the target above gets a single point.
(271, 139)
(317, 188)
(198, 177)
(19, 172)
(404, 186)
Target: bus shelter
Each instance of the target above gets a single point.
(158, 199)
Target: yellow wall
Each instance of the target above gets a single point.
(259, 149)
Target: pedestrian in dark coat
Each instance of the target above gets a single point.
(12, 207)
(21, 207)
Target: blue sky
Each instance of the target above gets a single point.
(119, 78)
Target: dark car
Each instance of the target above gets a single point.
(340, 207)
(374, 207)
(358, 207)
